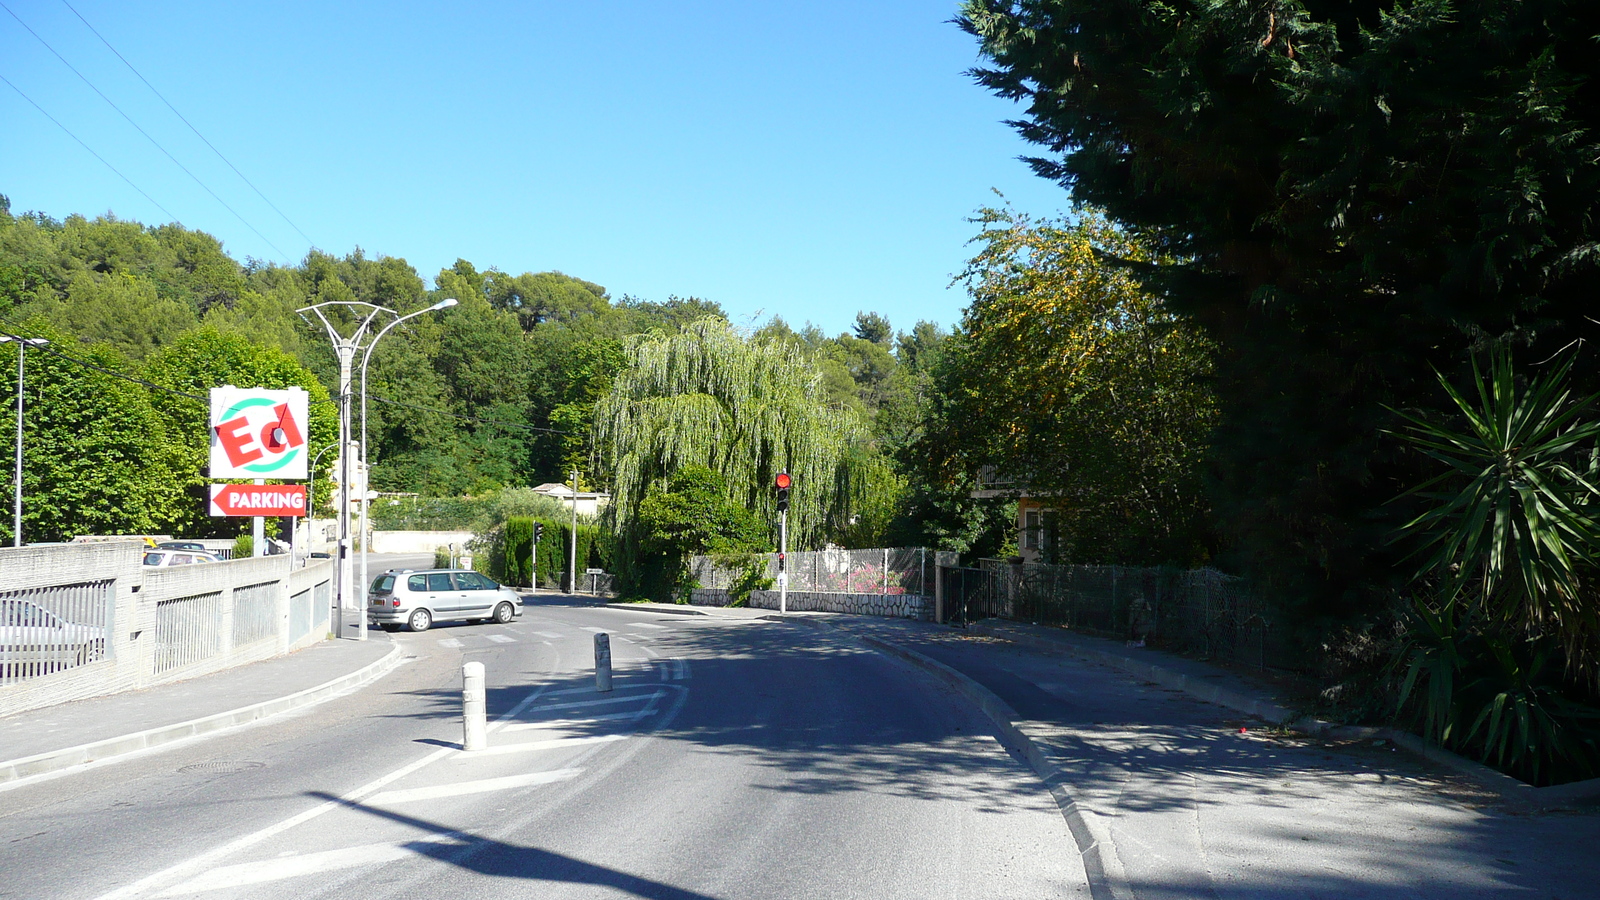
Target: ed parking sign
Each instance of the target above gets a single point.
(258, 433)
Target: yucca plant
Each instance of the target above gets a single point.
(1511, 516)
(1507, 550)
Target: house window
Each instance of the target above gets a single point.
(1031, 530)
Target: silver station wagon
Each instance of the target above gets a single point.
(418, 598)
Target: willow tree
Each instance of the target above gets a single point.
(747, 409)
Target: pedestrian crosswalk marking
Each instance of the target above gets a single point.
(552, 744)
(558, 724)
(612, 701)
(501, 639)
(452, 643)
(646, 625)
(285, 867)
(481, 786)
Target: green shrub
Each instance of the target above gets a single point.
(441, 557)
(243, 546)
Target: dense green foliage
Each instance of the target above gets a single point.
(743, 410)
(1351, 197)
(1508, 547)
(1351, 191)
(1069, 381)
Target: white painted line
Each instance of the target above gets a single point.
(462, 788)
(559, 724)
(452, 643)
(609, 702)
(594, 629)
(202, 862)
(680, 669)
(547, 634)
(646, 625)
(285, 867)
(552, 744)
(590, 690)
(501, 639)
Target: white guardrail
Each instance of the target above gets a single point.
(84, 620)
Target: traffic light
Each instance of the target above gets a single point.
(783, 482)
(538, 532)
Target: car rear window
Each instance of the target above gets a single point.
(383, 584)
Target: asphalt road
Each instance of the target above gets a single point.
(732, 760)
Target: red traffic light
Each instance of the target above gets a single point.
(784, 481)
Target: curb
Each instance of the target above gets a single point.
(1517, 795)
(98, 751)
(662, 608)
(1107, 878)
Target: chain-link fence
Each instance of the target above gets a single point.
(1200, 611)
(902, 570)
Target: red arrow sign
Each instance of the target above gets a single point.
(258, 499)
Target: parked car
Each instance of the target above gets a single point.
(165, 558)
(416, 598)
(35, 641)
(182, 545)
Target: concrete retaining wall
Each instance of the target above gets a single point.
(899, 606)
(286, 610)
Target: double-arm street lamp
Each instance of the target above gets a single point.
(366, 469)
(16, 495)
(363, 314)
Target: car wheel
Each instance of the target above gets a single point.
(504, 613)
(419, 620)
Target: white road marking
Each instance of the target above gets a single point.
(547, 634)
(584, 704)
(203, 861)
(589, 690)
(501, 639)
(680, 669)
(646, 625)
(594, 629)
(296, 865)
(558, 724)
(552, 744)
(461, 788)
(452, 643)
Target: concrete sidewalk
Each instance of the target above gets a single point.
(1171, 796)
(72, 734)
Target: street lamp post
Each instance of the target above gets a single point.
(345, 349)
(366, 469)
(16, 494)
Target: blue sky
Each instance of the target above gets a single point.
(803, 160)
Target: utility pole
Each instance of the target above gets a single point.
(22, 354)
(572, 558)
(783, 482)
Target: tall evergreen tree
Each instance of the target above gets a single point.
(1356, 189)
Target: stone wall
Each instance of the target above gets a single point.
(899, 606)
(709, 597)
(286, 610)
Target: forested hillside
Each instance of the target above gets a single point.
(497, 391)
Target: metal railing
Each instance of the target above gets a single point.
(1200, 611)
(49, 629)
(188, 630)
(894, 570)
(255, 612)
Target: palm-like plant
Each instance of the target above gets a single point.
(1508, 545)
(1513, 518)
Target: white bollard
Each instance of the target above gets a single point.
(602, 662)
(474, 708)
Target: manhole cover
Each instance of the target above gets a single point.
(223, 767)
